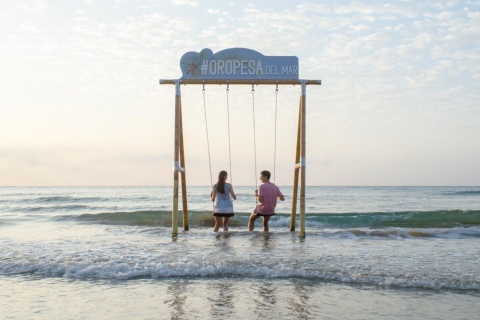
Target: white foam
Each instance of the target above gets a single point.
(124, 271)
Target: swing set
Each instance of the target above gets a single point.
(243, 67)
(229, 139)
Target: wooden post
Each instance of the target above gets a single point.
(183, 175)
(303, 162)
(293, 216)
(176, 164)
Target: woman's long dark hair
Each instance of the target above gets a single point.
(221, 181)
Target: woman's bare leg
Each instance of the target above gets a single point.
(218, 223)
(225, 223)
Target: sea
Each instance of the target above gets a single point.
(369, 253)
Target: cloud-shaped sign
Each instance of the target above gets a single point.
(237, 63)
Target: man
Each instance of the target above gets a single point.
(267, 194)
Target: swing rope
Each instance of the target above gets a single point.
(229, 139)
(275, 143)
(254, 137)
(229, 144)
(208, 142)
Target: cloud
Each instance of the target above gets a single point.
(213, 11)
(391, 72)
(33, 5)
(187, 3)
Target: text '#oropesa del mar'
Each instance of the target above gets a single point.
(237, 63)
(244, 67)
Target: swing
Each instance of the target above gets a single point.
(244, 67)
(229, 136)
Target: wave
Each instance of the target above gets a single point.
(411, 219)
(122, 270)
(465, 193)
(382, 220)
(66, 207)
(143, 218)
(76, 199)
(62, 199)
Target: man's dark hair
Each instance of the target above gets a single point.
(266, 173)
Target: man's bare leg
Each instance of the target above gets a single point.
(251, 221)
(265, 223)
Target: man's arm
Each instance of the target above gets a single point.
(259, 198)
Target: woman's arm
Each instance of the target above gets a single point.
(213, 194)
(233, 193)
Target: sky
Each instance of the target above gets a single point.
(81, 104)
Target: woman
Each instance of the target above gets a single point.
(223, 210)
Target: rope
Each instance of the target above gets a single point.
(229, 148)
(275, 143)
(208, 142)
(254, 137)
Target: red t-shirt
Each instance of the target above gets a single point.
(269, 192)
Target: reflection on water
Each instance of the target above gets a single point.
(266, 243)
(25, 297)
(300, 305)
(223, 235)
(176, 304)
(221, 299)
(263, 240)
(265, 299)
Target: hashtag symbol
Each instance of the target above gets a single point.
(204, 66)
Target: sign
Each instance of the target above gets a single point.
(237, 63)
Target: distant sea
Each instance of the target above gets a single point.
(369, 253)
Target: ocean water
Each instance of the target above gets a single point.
(369, 253)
